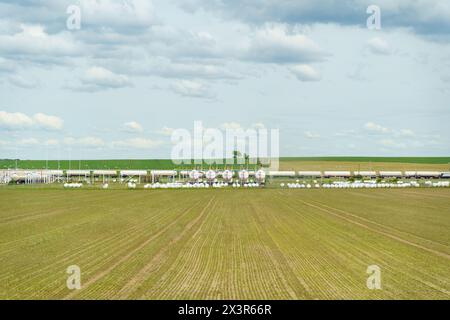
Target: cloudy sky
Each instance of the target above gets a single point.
(138, 69)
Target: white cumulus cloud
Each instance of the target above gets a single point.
(18, 120)
(133, 127)
(15, 120)
(34, 42)
(374, 127)
(48, 122)
(305, 73)
(101, 78)
(193, 89)
(275, 44)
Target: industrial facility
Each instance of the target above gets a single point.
(214, 178)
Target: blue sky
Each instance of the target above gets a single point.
(137, 70)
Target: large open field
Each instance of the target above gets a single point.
(363, 164)
(224, 244)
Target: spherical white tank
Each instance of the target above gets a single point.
(260, 176)
(243, 175)
(194, 175)
(210, 175)
(227, 175)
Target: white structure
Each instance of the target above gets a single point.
(162, 173)
(104, 174)
(243, 175)
(35, 177)
(5, 176)
(423, 174)
(260, 176)
(391, 174)
(133, 173)
(195, 175)
(56, 173)
(99, 173)
(227, 175)
(184, 174)
(30, 176)
(210, 175)
(337, 174)
(410, 174)
(366, 174)
(428, 174)
(282, 173)
(80, 173)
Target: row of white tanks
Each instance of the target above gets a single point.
(227, 176)
(367, 185)
(199, 185)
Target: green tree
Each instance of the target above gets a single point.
(236, 154)
(247, 159)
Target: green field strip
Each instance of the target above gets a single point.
(163, 164)
(96, 253)
(368, 252)
(247, 244)
(122, 258)
(158, 260)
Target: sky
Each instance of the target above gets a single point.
(136, 70)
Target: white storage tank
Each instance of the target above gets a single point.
(410, 174)
(227, 175)
(243, 175)
(194, 175)
(310, 174)
(104, 173)
(339, 174)
(131, 173)
(260, 176)
(282, 173)
(163, 173)
(56, 173)
(428, 174)
(210, 175)
(392, 174)
(365, 173)
(78, 172)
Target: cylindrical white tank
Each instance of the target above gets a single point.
(260, 176)
(227, 175)
(243, 175)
